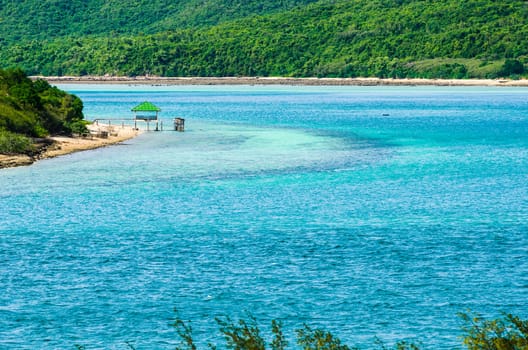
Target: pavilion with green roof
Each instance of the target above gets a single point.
(146, 111)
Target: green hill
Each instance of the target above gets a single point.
(33, 109)
(332, 38)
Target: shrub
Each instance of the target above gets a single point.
(79, 127)
(11, 143)
(246, 335)
(507, 333)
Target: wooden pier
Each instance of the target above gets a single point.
(145, 112)
(179, 123)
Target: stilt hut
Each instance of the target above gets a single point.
(179, 124)
(146, 112)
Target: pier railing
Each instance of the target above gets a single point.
(179, 123)
(114, 122)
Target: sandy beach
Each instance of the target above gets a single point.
(100, 136)
(152, 80)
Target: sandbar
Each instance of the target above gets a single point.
(154, 80)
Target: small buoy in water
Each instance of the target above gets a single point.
(385, 114)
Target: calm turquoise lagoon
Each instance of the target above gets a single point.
(366, 211)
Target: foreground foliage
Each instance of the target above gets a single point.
(34, 109)
(506, 333)
(327, 38)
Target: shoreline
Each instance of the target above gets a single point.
(152, 80)
(59, 145)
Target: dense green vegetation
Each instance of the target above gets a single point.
(33, 109)
(331, 38)
(44, 19)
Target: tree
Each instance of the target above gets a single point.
(511, 67)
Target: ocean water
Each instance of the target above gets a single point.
(366, 211)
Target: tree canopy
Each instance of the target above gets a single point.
(302, 38)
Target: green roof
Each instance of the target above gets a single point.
(146, 107)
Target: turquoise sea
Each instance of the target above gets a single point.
(366, 211)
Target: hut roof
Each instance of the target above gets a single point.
(146, 107)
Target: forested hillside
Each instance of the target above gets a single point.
(33, 109)
(45, 19)
(332, 38)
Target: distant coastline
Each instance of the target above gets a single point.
(152, 80)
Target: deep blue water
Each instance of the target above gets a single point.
(366, 211)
